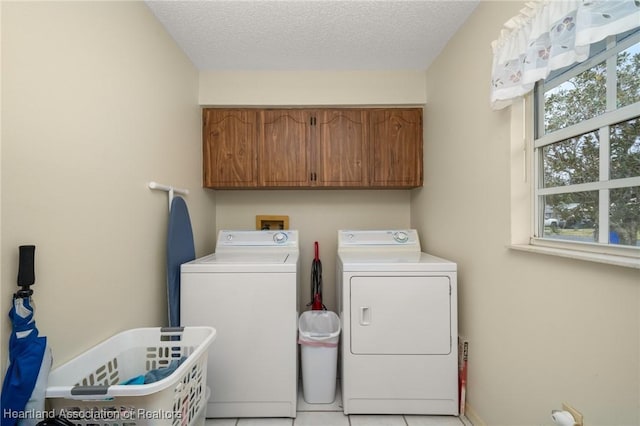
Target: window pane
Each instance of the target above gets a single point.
(571, 161)
(577, 99)
(572, 216)
(628, 70)
(624, 216)
(625, 149)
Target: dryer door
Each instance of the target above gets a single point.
(398, 315)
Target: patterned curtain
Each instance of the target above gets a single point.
(551, 34)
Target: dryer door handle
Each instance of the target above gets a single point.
(365, 315)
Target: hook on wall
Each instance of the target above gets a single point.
(170, 189)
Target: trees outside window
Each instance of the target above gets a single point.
(587, 148)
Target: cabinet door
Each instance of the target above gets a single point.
(340, 148)
(229, 148)
(284, 149)
(396, 139)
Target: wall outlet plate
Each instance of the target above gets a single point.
(577, 415)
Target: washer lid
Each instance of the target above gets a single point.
(248, 258)
(243, 262)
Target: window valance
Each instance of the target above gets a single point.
(551, 34)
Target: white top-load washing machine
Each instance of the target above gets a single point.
(247, 291)
(398, 308)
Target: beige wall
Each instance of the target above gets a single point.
(312, 88)
(542, 330)
(97, 100)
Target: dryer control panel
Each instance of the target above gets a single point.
(379, 238)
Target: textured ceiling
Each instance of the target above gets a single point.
(312, 34)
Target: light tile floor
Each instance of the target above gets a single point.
(332, 415)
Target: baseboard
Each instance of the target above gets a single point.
(472, 416)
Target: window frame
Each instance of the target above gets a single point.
(603, 185)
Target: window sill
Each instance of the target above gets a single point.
(610, 259)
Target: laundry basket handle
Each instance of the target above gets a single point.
(171, 329)
(90, 391)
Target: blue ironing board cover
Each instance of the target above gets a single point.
(180, 249)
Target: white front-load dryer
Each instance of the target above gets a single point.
(398, 308)
(247, 290)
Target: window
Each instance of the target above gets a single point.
(587, 151)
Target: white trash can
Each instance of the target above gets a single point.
(318, 335)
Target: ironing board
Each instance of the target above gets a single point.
(180, 249)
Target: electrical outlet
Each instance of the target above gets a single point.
(577, 415)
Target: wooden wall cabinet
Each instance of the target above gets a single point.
(340, 149)
(313, 148)
(396, 148)
(229, 148)
(284, 148)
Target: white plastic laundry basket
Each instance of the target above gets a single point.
(88, 390)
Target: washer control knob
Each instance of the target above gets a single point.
(280, 237)
(401, 236)
(229, 237)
